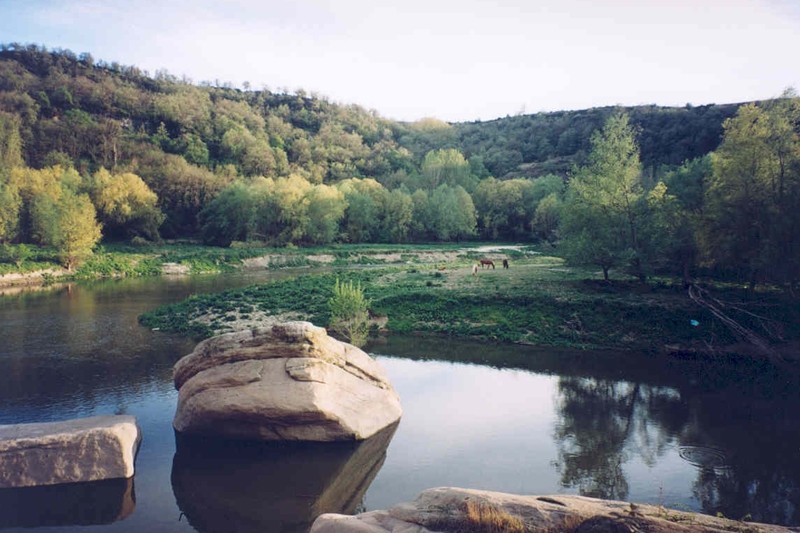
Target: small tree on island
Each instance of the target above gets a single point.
(349, 316)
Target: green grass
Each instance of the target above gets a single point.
(537, 301)
(306, 295)
(430, 288)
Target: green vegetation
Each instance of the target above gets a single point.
(349, 313)
(89, 147)
(539, 300)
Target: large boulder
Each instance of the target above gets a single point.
(290, 381)
(452, 509)
(72, 451)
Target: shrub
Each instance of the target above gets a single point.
(349, 315)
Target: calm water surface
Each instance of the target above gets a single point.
(684, 434)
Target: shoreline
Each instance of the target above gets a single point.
(425, 289)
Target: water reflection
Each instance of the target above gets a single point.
(701, 436)
(739, 434)
(759, 434)
(71, 504)
(602, 424)
(708, 436)
(236, 486)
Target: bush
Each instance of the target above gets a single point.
(349, 315)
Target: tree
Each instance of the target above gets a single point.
(676, 209)
(70, 226)
(752, 223)
(603, 215)
(326, 206)
(282, 209)
(504, 207)
(397, 216)
(230, 216)
(37, 189)
(454, 216)
(365, 201)
(182, 189)
(446, 167)
(125, 204)
(546, 218)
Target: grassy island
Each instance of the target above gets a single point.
(538, 300)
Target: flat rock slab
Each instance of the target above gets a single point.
(454, 509)
(285, 382)
(71, 451)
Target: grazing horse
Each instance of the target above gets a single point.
(475, 269)
(486, 263)
(505, 263)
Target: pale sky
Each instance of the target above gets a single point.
(456, 60)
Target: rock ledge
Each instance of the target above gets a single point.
(454, 509)
(85, 449)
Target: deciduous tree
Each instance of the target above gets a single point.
(752, 220)
(603, 216)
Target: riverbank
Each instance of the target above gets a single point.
(538, 300)
(25, 265)
(432, 289)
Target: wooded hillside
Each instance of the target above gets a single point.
(91, 149)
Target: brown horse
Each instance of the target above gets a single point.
(486, 263)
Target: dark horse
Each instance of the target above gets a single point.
(505, 263)
(486, 263)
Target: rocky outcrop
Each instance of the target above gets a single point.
(290, 381)
(452, 509)
(86, 449)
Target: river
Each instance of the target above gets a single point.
(686, 434)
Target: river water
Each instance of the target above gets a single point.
(686, 434)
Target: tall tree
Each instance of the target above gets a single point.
(603, 215)
(446, 167)
(455, 217)
(70, 225)
(125, 204)
(326, 205)
(230, 216)
(752, 222)
(397, 217)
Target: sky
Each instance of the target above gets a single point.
(456, 60)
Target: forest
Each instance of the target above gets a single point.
(91, 151)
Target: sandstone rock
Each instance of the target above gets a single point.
(289, 381)
(453, 509)
(86, 449)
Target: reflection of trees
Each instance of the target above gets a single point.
(759, 436)
(603, 423)
(750, 421)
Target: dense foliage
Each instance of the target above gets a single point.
(106, 147)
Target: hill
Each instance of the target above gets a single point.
(100, 113)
